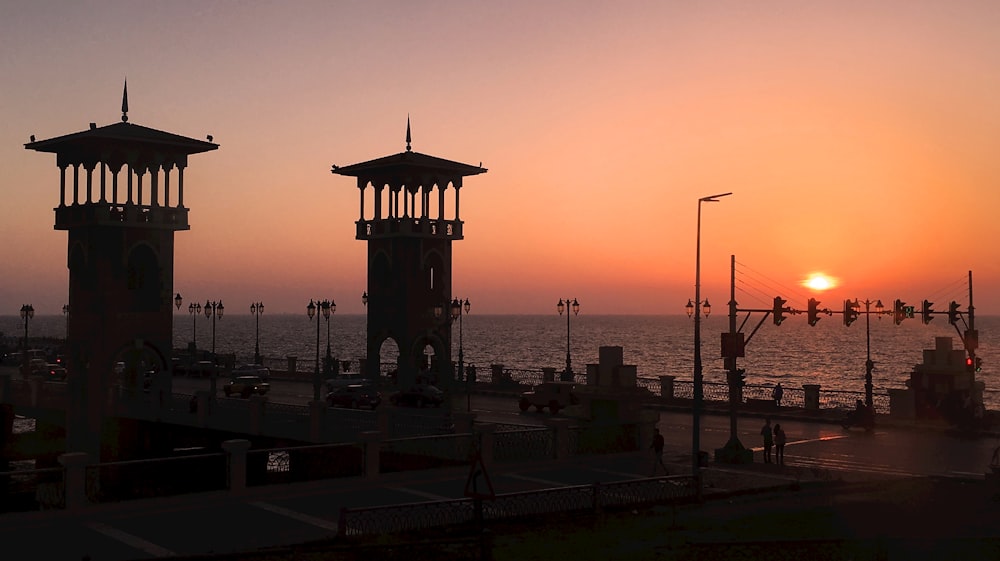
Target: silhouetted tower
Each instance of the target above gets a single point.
(121, 198)
(410, 228)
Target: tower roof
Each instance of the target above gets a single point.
(408, 164)
(99, 140)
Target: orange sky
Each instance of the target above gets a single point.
(858, 138)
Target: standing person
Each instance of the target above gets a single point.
(777, 393)
(657, 448)
(779, 445)
(766, 432)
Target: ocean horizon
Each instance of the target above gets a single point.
(794, 353)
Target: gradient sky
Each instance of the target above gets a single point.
(859, 139)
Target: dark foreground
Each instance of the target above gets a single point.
(911, 518)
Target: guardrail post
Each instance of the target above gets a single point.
(560, 437)
(372, 445)
(486, 443)
(317, 412)
(667, 387)
(236, 460)
(549, 374)
(256, 405)
(75, 479)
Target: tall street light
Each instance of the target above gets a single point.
(457, 307)
(257, 308)
(214, 310)
(27, 312)
(576, 310)
(195, 310)
(324, 308)
(328, 368)
(850, 314)
(698, 389)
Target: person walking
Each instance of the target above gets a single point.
(657, 448)
(779, 445)
(777, 393)
(767, 434)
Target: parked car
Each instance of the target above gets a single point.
(554, 395)
(253, 370)
(419, 395)
(354, 396)
(344, 380)
(245, 386)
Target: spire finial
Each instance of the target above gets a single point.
(407, 132)
(125, 102)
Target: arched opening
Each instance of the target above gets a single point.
(388, 354)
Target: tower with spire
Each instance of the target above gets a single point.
(121, 198)
(410, 222)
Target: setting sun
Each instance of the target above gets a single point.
(819, 281)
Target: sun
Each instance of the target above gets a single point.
(819, 281)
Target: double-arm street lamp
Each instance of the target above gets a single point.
(698, 383)
(325, 307)
(214, 310)
(576, 310)
(851, 311)
(256, 309)
(27, 312)
(195, 310)
(458, 309)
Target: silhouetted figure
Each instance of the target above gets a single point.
(777, 393)
(768, 436)
(657, 448)
(779, 445)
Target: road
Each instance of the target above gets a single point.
(889, 450)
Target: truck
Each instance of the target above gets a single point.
(554, 395)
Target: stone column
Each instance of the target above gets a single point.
(560, 437)
(549, 374)
(811, 396)
(371, 441)
(75, 479)
(667, 387)
(236, 461)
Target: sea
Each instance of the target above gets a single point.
(829, 354)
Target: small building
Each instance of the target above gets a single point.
(941, 387)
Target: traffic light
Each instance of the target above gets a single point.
(898, 311)
(813, 311)
(779, 310)
(969, 364)
(851, 311)
(926, 311)
(979, 364)
(953, 312)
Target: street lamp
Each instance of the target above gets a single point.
(325, 308)
(213, 310)
(194, 309)
(698, 389)
(457, 307)
(576, 310)
(27, 312)
(66, 315)
(257, 308)
(869, 365)
(328, 365)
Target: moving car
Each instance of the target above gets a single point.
(419, 395)
(345, 380)
(253, 370)
(245, 386)
(554, 395)
(354, 396)
(55, 372)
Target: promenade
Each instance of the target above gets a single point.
(801, 510)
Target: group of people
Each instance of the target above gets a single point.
(774, 437)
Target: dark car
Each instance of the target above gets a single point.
(420, 395)
(245, 386)
(354, 396)
(55, 371)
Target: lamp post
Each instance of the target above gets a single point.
(364, 370)
(328, 368)
(457, 307)
(66, 315)
(27, 312)
(214, 310)
(194, 309)
(324, 307)
(869, 365)
(257, 308)
(698, 389)
(576, 310)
